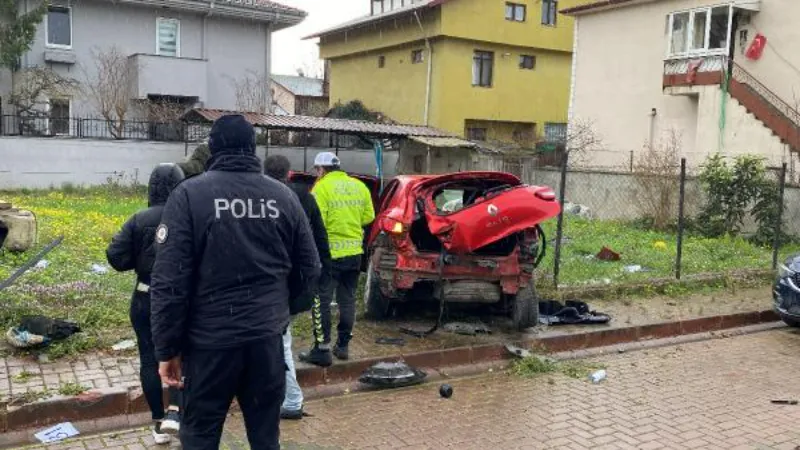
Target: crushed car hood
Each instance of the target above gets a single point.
(511, 210)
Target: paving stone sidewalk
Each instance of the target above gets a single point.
(21, 376)
(707, 395)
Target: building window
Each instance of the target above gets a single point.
(59, 116)
(555, 132)
(482, 63)
(416, 56)
(59, 27)
(515, 12)
(527, 62)
(699, 32)
(168, 37)
(549, 12)
(381, 62)
(476, 134)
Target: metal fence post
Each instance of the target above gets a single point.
(681, 220)
(560, 225)
(776, 244)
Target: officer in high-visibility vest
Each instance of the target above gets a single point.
(346, 207)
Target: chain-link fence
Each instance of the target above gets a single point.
(663, 221)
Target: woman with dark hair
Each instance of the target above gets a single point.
(133, 248)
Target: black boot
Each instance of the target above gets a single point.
(340, 350)
(317, 356)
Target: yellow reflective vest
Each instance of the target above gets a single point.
(346, 207)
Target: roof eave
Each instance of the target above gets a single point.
(599, 6)
(374, 20)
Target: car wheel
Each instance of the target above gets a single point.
(378, 306)
(525, 310)
(792, 322)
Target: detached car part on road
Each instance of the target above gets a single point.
(786, 291)
(468, 237)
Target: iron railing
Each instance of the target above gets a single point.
(94, 128)
(744, 77)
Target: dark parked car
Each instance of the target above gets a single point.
(786, 292)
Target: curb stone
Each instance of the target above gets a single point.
(106, 405)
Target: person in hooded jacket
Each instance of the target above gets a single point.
(133, 248)
(277, 167)
(234, 253)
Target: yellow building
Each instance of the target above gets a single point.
(489, 70)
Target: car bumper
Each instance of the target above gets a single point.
(785, 295)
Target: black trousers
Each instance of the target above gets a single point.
(341, 280)
(254, 374)
(148, 365)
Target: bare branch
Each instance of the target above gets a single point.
(251, 92)
(656, 172)
(110, 88)
(35, 85)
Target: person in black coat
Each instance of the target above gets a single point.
(230, 241)
(133, 248)
(277, 167)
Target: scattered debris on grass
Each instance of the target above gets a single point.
(518, 351)
(99, 270)
(469, 329)
(598, 376)
(606, 254)
(383, 340)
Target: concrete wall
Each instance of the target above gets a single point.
(233, 48)
(618, 82)
(42, 163)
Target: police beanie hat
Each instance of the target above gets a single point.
(232, 134)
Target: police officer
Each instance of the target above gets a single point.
(346, 207)
(195, 164)
(133, 248)
(228, 244)
(277, 167)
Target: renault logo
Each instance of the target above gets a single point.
(492, 210)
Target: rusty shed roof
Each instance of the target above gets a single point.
(307, 123)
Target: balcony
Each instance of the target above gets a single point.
(683, 73)
(168, 76)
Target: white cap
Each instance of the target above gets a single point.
(326, 159)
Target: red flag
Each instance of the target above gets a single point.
(756, 47)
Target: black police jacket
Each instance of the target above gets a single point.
(133, 247)
(314, 216)
(229, 240)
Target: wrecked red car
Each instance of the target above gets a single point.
(468, 237)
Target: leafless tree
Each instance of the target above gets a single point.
(110, 88)
(252, 92)
(35, 86)
(656, 175)
(581, 139)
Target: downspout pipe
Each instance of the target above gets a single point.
(571, 112)
(429, 48)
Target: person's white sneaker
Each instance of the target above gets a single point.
(172, 423)
(159, 436)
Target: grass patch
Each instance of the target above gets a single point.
(29, 397)
(537, 365)
(88, 218)
(23, 377)
(584, 238)
(71, 389)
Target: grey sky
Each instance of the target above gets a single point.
(290, 52)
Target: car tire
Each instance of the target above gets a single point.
(791, 321)
(378, 306)
(525, 310)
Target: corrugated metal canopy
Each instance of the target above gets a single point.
(443, 142)
(307, 123)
